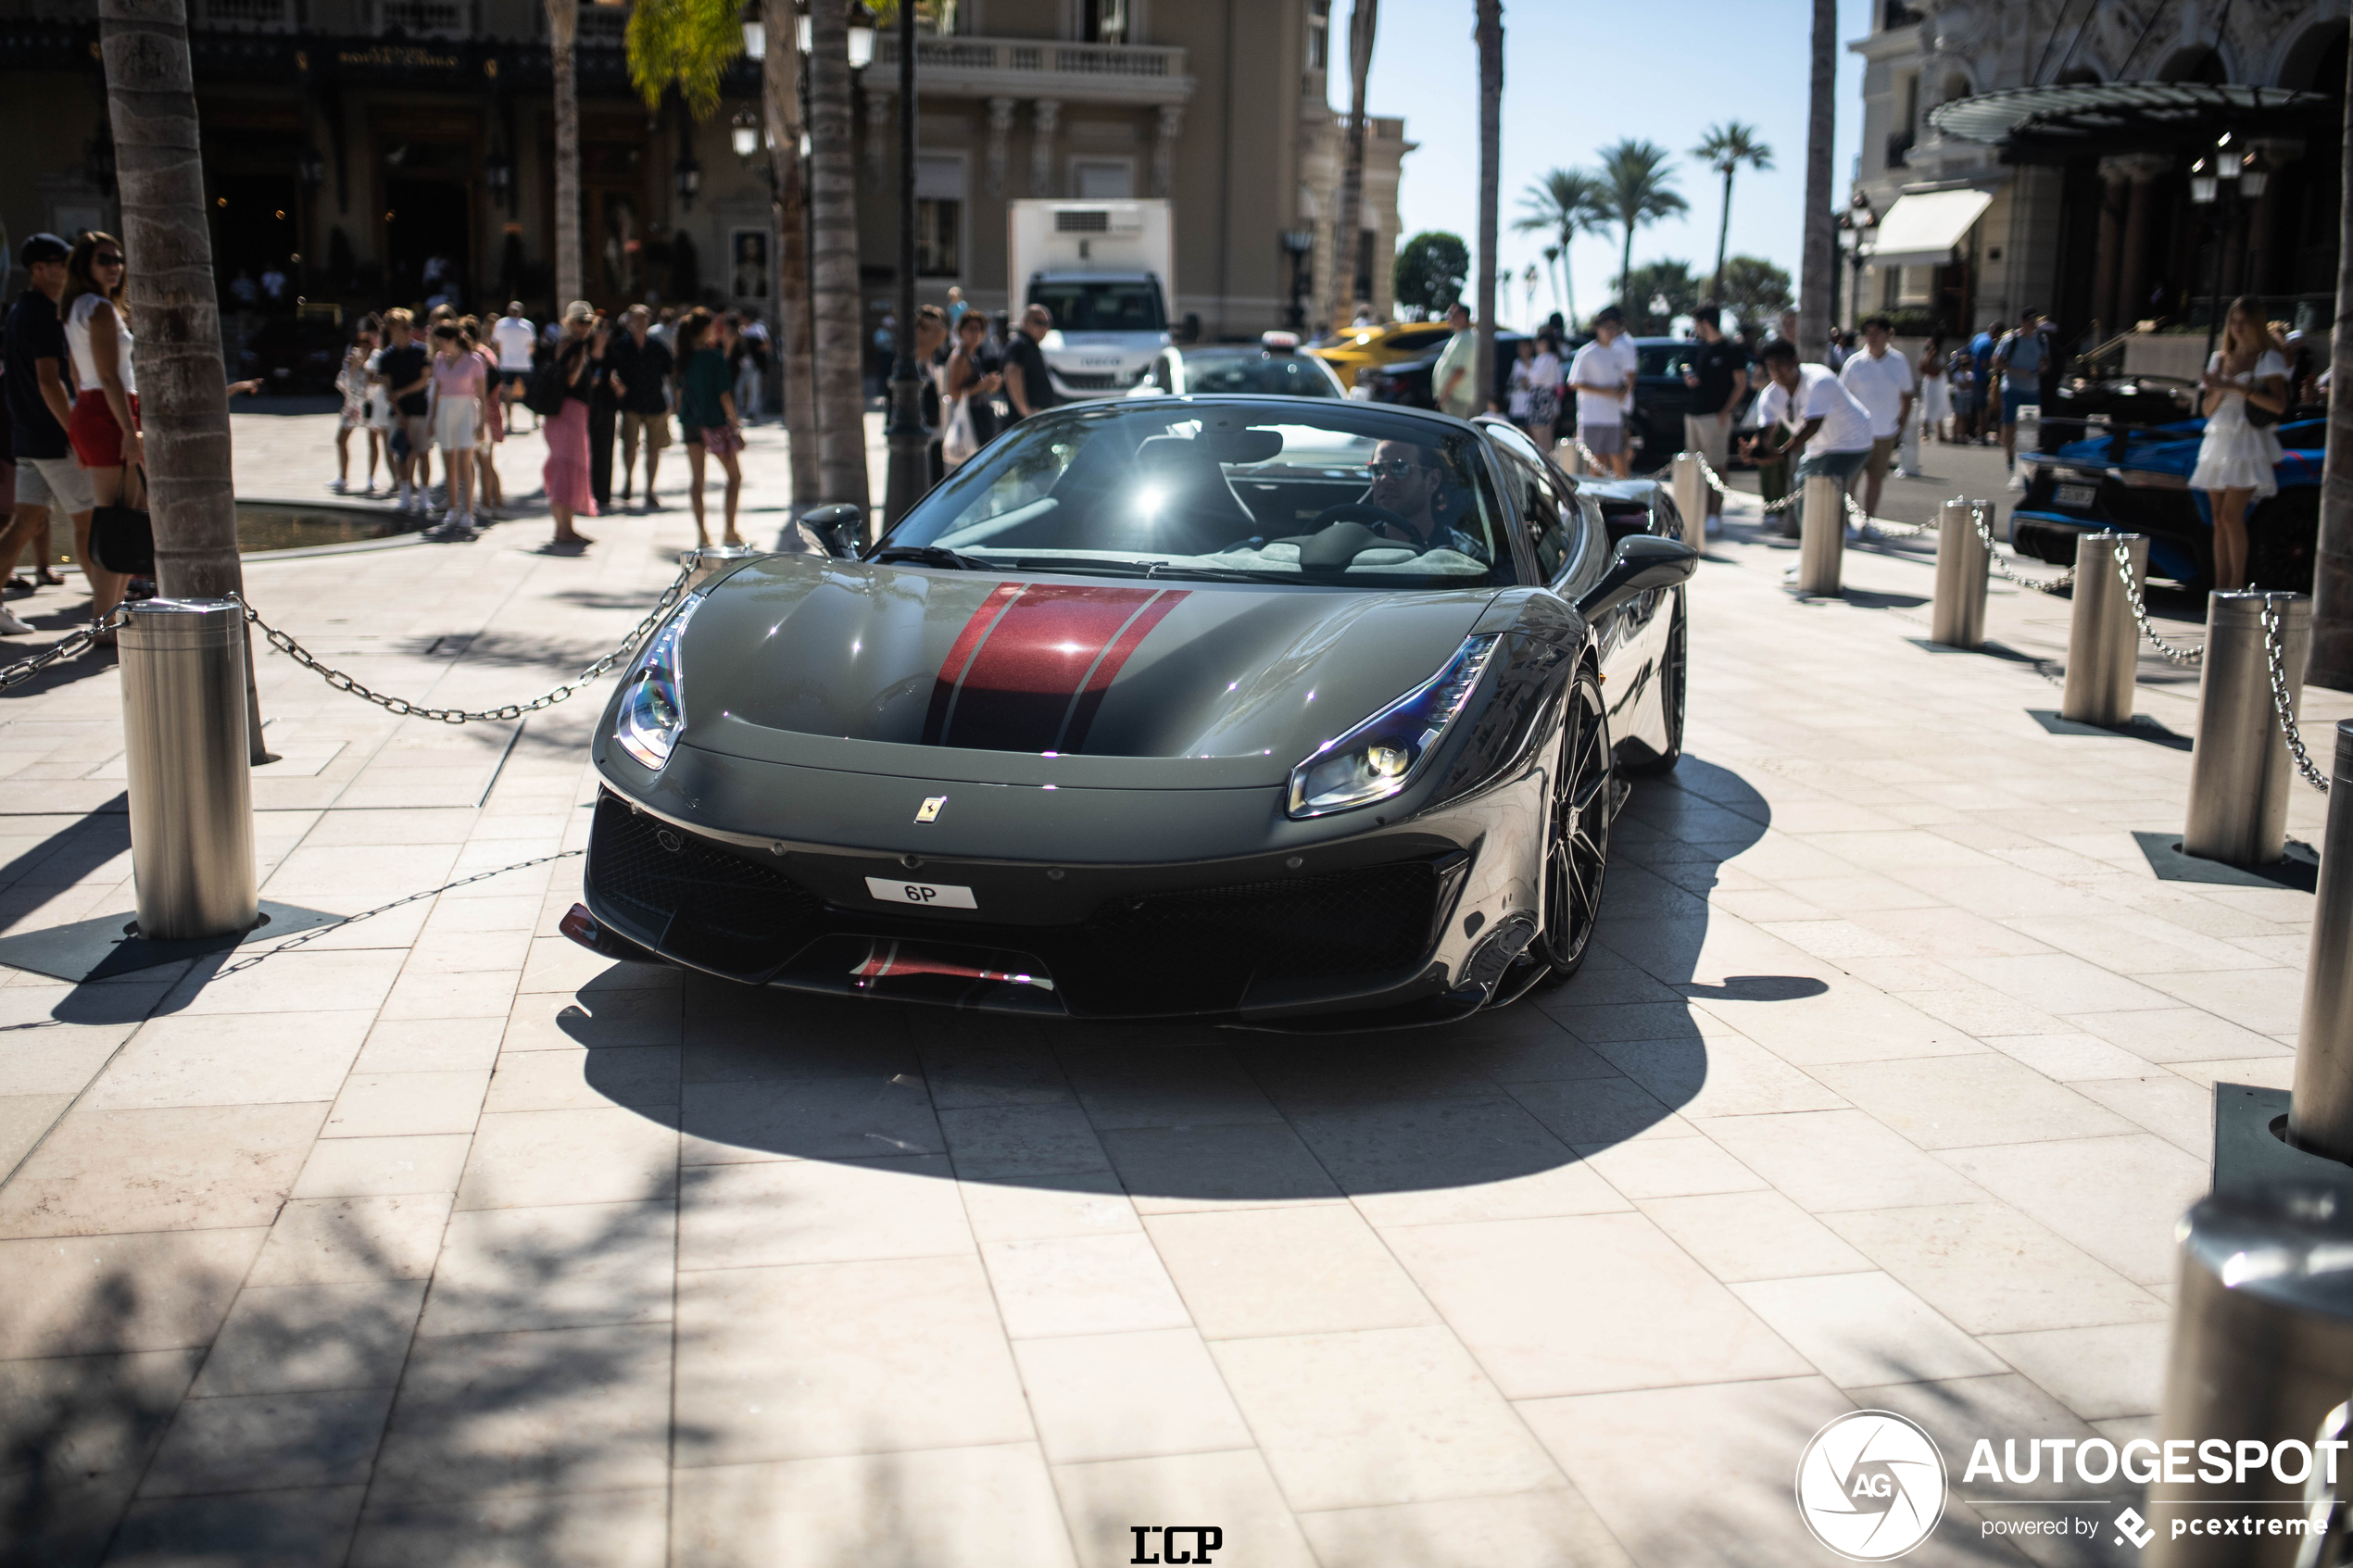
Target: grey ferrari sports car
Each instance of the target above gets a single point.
(1295, 713)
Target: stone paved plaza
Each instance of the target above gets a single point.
(436, 1240)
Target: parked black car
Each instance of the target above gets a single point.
(1661, 399)
(1408, 381)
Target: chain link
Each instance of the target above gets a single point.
(2060, 584)
(2140, 613)
(405, 709)
(1887, 527)
(79, 641)
(2284, 710)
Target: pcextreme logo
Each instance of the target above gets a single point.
(1871, 1485)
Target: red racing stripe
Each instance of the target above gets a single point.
(959, 658)
(1091, 697)
(1016, 691)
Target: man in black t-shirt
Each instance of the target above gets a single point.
(406, 366)
(1027, 382)
(637, 368)
(34, 380)
(1717, 375)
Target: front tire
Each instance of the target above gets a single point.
(1577, 836)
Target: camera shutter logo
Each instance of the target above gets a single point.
(1871, 1485)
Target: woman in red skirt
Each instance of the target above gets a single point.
(566, 471)
(105, 426)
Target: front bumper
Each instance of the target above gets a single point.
(2063, 502)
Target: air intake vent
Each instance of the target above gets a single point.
(1082, 221)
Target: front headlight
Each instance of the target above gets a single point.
(652, 709)
(1381, 755)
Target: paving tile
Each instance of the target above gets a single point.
(1170, 1169)
(1958, 1411)
(1173, 1086)
(1829, 1160)
(301, 982)
(78, 1431)
(295, 1338)
(1598, 1111)
(1127, 1396)
(1380, 1416)
(1074, 1205)
(1860, 1329)
(1668, 1167)
(805, 1119)
(2167, 1034)
(1021, 1142)
(736, 1050)
(2071, 1058)
(2167, 1104)
(574, 1409)
(1956, 1102)
(820, 1211)
(1846, 1023)
(58, 1059)
(188, 1168)
(1992, 1270)
(383, 1167)
(532, 1159)
(1746, 1235)
(1722, 1075)
(1556, 1528)
(1543, 1313)
(23, 1120)
(1081, 1285)
(380, 1105)
(1401, 1146)
(1311, 1270)
(92, 1295)
(906, 1507)
(840, 1358)
(614, 1529)
(287, 1529)
(575, 1265)
(476, 993)
(2100, 1374)
(614, 1018)
(433, 1045)
(2059, 983)
(230, 1444)
(2116, 1199)
(585, 1080)
(964, 1075)
(1102, 1501)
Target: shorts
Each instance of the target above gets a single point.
(1840, 465)
(1605, 441)
(1881, 454)
(418, 428)
(718, 440)
(515, 380)
(654, 427)
(2017, 397)
(454, 424)
(59, 484)
(98, 440)
(1710, 437)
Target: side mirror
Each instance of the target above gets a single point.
(1644, 561)
(839, 528)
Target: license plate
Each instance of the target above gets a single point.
(2078, 495)
(930, 896)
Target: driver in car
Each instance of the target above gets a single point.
(1410, 480)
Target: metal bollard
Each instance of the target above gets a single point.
(1690, 499)
(710, 560)
(2319, 1113)
(183, 730)
(1958, 617)
(2261, 1350)
(2239, 775)
(1821, 542)
(2103, 649)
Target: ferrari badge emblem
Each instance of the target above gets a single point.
(930, 812)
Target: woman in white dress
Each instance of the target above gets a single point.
(1936, 394)
(2237, 458)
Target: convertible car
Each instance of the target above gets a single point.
(2095, 473)
(1284, 712)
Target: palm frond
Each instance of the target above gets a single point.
(682, 44)
(1732, 145)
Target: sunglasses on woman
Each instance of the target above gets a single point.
(105, 260)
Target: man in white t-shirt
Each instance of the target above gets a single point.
(1883, 383)
(1805, 414)
(514, 337)
(1453, 387)
(1603, 377)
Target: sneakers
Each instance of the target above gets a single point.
(11, 627)
(2017, 481)
(340, 487)
(453, 529)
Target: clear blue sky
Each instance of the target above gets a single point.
(1578, 74)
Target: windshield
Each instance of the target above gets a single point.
(1663, 358)
(1253, 491)
(1088, 306)
(1284, 375)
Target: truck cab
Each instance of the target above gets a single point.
(1103, 268)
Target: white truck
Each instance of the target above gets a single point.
(1106, 270)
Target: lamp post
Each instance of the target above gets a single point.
(1298, 244)
(910, 470)
(310, 170)
(2243, 175)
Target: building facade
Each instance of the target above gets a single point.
(386, 151)
(2038, 154)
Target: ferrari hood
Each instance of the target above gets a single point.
(1225, 684)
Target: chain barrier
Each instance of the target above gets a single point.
(2282, 708)
(286, 644)
(2060, 584)
(1887, 527)
(2141, 612)
(334, 926)
(77, 642)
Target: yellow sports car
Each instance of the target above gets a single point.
(1358, 349)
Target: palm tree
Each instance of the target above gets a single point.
(1490, 159)
(1638, 180)
(1362, 20)
(2330, 663)
(780, 91)
(564, 34)
(1818, 261)
(160, 179)
(682, 44)
(1564, 204)
(833, 236)
(1724, 149)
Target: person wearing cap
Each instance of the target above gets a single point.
(40, 407)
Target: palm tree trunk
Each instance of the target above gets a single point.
(1723, 233)
(1818, 268)
(563, 31)
(2330, 663)
(780, 86)
(1625, 275)
(833, 233)
(1362, 20)
(1569, 285)
(184, 401)
(1491, 158)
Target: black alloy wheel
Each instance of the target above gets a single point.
(1671, 681)
(1577, 847)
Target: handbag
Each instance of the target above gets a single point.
(959, 441)
(123, 538)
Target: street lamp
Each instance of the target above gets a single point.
(309, 168)
(861, 34)
(1298, 244)
(689, 175)
(755, 33)
(2241, 175)
(743, 134)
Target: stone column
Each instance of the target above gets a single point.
(1000, 125)
(1172, 123)
(2115, 193)
(2132, 284)
(1044, 114)
(878, 134)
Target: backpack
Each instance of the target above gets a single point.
(544, 394)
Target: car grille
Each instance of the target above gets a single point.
(1196, 950)
(1091, 380)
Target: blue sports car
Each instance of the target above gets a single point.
(2137, 479)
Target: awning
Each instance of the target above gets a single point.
(1920, 230)
(2040, 124)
